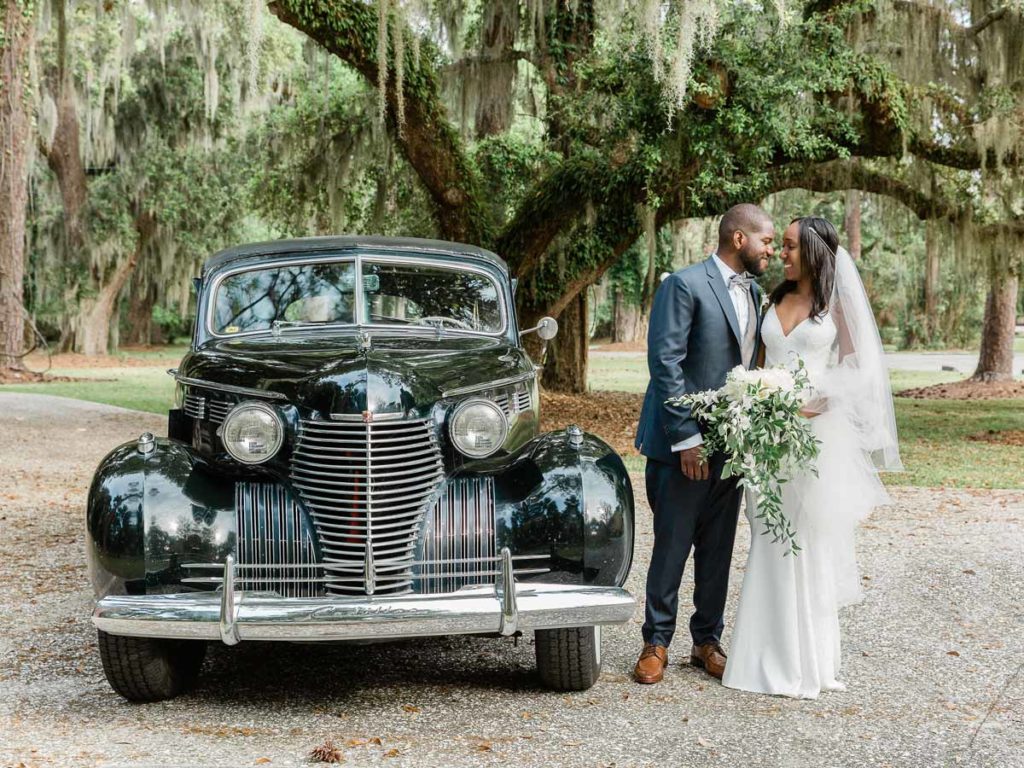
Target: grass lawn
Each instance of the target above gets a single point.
(936, 450)
(139, 388)
(628, 373)
(933, 433)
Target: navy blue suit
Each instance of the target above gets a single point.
(693, 341)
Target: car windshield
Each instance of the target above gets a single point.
(393, 293)
(296, 293)
(421, 294)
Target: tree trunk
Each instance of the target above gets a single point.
(93, 332)
(995, 362)
(630, 323)
(92, 336)
(140, 315)
(852, 224)
(931, 280)
(565, 369)
(15, 126)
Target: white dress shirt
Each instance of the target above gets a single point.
(738, 296)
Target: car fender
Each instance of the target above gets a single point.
(564, 494)
(148, 512)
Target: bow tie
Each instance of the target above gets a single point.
(743, 281)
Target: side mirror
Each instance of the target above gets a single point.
(515, 285)
(547, 328)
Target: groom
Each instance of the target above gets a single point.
(705, 321)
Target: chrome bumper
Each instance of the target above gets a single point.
(232, 616)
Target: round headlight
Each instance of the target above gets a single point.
(478, 428)
(252, 432)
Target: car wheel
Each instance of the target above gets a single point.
(147, 669)
(568, 659)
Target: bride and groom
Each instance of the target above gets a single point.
(706, 320)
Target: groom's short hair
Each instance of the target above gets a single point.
(745, 216)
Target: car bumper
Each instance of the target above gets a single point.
(232, 616)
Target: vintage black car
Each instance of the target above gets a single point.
(354, 455)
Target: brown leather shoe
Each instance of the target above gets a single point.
(650, 667)
(710, 657)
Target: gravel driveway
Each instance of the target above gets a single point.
(932, 657)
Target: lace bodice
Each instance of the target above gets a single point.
(813, 340)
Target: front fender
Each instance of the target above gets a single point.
(147, 513)
(568, 498)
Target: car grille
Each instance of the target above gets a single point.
(199, 407)
(458, 544)
(367, 486)
(275, 550)
(513, 402)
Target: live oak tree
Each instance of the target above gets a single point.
(557, 132)
(643, 119)
(139, 118)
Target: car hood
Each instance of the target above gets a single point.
(332, 375)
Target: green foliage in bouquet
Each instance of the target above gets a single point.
(755, 419)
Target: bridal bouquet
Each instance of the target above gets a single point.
(755, 420)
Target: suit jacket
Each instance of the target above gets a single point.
(693, 341)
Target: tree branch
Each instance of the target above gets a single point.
(348, 29)
(839, 175)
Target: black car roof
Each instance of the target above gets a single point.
(300, 245)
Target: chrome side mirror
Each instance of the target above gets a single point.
(547, 328)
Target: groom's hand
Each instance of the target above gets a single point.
(692, 465)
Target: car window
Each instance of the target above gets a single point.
(419, 294)
(298, 293)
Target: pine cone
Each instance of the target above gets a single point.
(327, 753)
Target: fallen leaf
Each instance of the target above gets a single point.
(703, 742)
(411, 708)
(969, 572)
(952, 653)
(392, 753)
(262, 760)
(356, 743)
(376, 740)
(483, 746)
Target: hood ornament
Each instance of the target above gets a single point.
(365, 342)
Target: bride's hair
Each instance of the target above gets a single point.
(818, 243)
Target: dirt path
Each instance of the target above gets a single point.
(932, 657)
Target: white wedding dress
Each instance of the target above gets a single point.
(785, 638)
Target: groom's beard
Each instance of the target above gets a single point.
(754, 263)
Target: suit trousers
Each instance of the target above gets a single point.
(690, 514)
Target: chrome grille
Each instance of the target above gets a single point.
(218, 409)
(367, 487)
(523, 401)
(195, 406)
(275, 550)
(201, 406)
(513, 401)
(458, 544)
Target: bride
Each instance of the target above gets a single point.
(786, 634)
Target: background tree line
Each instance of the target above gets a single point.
(588, 142)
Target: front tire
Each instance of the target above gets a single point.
(568, 659)
(145, 669)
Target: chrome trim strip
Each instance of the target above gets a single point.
(333, 579)
(248, 391)
(358, 417)
(472, 610)
(495, 384)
